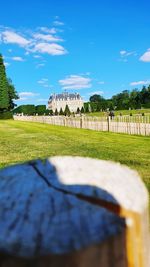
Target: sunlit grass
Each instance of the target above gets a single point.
(123, 112)
(22, 141)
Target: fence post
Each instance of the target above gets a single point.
(81, 122)
(64, 121)
(108, 123)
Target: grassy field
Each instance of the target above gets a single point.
(123, 112)
(22, 141)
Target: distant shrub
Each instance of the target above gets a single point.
(6, 115)
(25, 109)
(61, 112)
(143, 114)
(56, 112)
(40, 109)
(82, 110)
(130, 114)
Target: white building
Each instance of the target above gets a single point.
(58, 101)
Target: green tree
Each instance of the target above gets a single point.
(96, 98)
(4, 96)
(82, 110)
(86, 107)
(7, 90)
(25, 109)
(56, 112)
(93, 106)
(61, 112)
(121, 100)
(41, 109)
(12, 94)
(78, 111)
(67, 111)
(51, 112)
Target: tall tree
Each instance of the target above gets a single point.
(7, 90)
(96, 98)
(61, 112)
(56, 112)
(12, 94)
(4, 95)
(67, 111)
(40, 109)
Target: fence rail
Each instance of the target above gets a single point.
(139, 125)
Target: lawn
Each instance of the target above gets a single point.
(22, 141)
(123, 112)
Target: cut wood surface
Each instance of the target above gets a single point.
(75, 207)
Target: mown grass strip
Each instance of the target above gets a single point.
(22, 141)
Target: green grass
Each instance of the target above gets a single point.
(123, 112)
(22, 141)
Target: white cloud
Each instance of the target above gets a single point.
(140, 83)
(6, 64)
(47, 37)
(146, 56)
(40, 65)
(27, 53)
(14, 38)
(37, 56)
(22, 99)
(51, 49)
(96, 93)
(58, 23)
(75, 82)
(43, 41)
(47, 30)
(17, 58)
(27, 94)
(45, 83)
(125, 53)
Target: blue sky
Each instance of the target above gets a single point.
(80, 46)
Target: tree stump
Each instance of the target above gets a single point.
(73, 212)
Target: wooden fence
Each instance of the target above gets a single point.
(139, 125)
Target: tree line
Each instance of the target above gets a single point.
(135, 99)
(7, 93)
(42, 110)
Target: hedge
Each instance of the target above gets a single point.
(6, 115)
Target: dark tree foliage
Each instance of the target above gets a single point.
(12, 94)
(7, 90)
(96, 98)
(134, 99)
(78, 111)
(41, 109)
(56, 112)
(25, 109)
(82, 110)
(51, 112)
(67, 111)
(86, 107)
(61, 112)
(4, 96)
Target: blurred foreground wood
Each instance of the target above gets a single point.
(73, 212)
(92, 256)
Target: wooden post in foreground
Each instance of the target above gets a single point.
(72, 211)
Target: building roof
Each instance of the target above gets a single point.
(65, 96)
